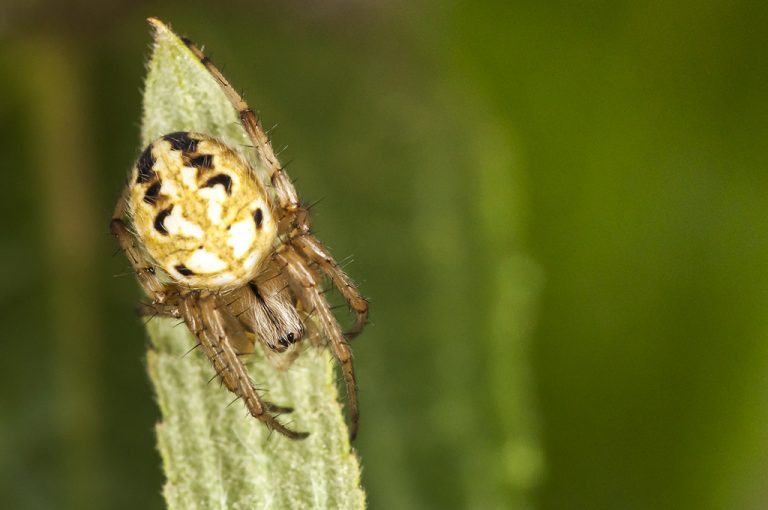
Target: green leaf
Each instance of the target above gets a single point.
(216, 456)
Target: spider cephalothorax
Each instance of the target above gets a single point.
(237, 264)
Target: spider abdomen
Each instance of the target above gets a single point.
(200, 212)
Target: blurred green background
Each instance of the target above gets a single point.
(558, 210)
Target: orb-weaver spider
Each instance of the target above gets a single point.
(238, 263)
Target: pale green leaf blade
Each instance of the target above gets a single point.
(215, 456)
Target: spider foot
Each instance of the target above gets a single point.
(276, 409)
(275, 425)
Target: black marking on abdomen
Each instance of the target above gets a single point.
(145, 164)
(160, 218)
(201, 161)
(222, 179)
(183, 270)
(152, 192)
(181, 141)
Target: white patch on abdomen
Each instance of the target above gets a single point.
(177, 225)
(169, 188)
(189, 177)
(251, 261)
(220, 280)
(203, 261)
(216, 195)
(241, 237)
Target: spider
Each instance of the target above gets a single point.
(239, 265)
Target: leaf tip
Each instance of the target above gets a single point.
(158, 26)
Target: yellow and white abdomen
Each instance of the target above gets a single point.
(200, 212)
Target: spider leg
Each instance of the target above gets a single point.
(305, 285)
(286, 193)
(151, 310)
(316, 252)
(272, 408)
(209, 320)
(145, 272)
(238, 305)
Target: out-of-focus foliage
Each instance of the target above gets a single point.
(557, 209)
